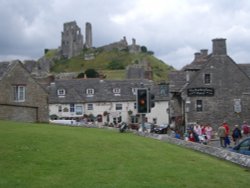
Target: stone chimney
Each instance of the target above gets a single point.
(204, 52)
(197, 55)
(219, 46)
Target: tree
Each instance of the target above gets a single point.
(91, 73)
(80, 75)
(144, 49)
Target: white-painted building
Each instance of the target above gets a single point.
(107, 101)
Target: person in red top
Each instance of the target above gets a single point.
(227, 140)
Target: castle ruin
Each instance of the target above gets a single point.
(88, 35)
(72, 42)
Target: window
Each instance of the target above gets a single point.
(19, 93)
(90, 91)
(134, 119)
(59, 108)
(135, 105)
(116, 90)
(72, 107)
(61, 92)
(199, 106)
(207, 78)
(90, 107)
(118, 106)
(79, 110)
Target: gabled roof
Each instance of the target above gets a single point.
(5, 67)
(103, 90)
(245, 68)
(177, 80)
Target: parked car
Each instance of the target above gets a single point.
(147, 127)
(160, 129)
(243, 147)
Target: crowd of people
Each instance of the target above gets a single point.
(236, 135)
(203, 133)
(199, 133)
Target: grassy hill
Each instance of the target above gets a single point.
(43, 155)
(110, 63)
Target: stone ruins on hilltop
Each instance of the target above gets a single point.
(72, 41)
(72, 44)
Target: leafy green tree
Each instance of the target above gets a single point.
(144, 49)
(91, 73)
(80, 75)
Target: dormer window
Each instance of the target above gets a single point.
(90, 91)
(61, 92)
(117, 91)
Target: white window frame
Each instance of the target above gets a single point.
(90, 91)
(90, 106)
(72, 107)
(19, 93)
(116, 90)
(61, 92)
(78, 109)
(118, 106)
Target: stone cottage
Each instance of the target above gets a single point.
(211, 89)
(21, 97)
(109, 100)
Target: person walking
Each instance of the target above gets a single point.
(236, 135)
(209, 132)
(227, 140)
(245, 129)
(222, 135)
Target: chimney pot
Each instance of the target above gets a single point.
(204, 52)
(219, 46)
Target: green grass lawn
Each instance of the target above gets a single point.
(42, 155)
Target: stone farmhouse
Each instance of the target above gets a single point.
(22, 98)
(211, 89)
(110, 101)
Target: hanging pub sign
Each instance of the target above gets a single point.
(200, 91)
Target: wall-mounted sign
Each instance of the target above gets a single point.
(237, 105)
(200, 91)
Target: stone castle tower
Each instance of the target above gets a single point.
(88, 35)
(72, 40)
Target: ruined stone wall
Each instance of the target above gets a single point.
(72, 40)
(120, 45)
(88, 35)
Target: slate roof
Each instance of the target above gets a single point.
(5, 67)
(245, 68)
(103, 90)
(177, 80)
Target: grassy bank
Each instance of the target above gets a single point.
(42, 155)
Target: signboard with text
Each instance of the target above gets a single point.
(200, 91)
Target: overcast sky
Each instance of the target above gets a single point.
(173, 29)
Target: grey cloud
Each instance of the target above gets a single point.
(29, 26)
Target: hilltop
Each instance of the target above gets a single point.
(117, 60)
(111, 63)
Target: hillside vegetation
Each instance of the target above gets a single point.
(111, 63)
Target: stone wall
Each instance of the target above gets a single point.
(242, 160)
(72, 40)
(35, 106)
